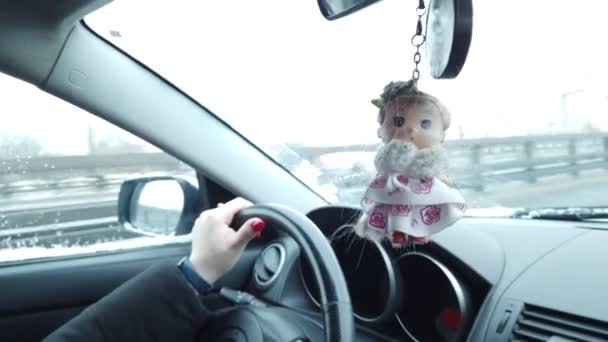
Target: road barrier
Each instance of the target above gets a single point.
(475, 163)
(86, 171)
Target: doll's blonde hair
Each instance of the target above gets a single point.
(409, 92)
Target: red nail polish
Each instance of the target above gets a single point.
(258, 235)
(258, 225)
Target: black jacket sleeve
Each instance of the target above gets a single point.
(157, 305)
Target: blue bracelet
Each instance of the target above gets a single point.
(193, 277)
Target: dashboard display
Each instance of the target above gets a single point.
(435, 306)
(369, 275)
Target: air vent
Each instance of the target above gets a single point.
(269, 265)
(541, 324)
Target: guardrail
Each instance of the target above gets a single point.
(478, 162)
(70, 172)
(474, 163)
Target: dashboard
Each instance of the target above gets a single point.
(483, 279)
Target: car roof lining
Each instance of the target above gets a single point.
(33, 33)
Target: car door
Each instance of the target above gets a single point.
(61, 244)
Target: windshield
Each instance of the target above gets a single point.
(529, 112)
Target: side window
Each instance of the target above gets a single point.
(61, 169)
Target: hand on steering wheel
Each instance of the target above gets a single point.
(216, 248)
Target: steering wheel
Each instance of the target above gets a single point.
(259, 323)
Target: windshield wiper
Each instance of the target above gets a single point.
(566, 214)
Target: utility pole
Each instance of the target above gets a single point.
(91, 139)
(564, 104)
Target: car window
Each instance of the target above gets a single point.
(61, 169)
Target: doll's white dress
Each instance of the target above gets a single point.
(408, 200)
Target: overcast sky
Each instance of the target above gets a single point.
(279, 72)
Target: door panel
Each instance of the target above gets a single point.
(35, 326)
(39, 297)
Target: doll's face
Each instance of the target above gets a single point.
(419, 123)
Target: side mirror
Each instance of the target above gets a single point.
(157, 206)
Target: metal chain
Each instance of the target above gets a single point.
(418, 39)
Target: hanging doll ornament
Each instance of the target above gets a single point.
(411, 196)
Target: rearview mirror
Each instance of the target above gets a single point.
(334, 9)
(157, 206)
